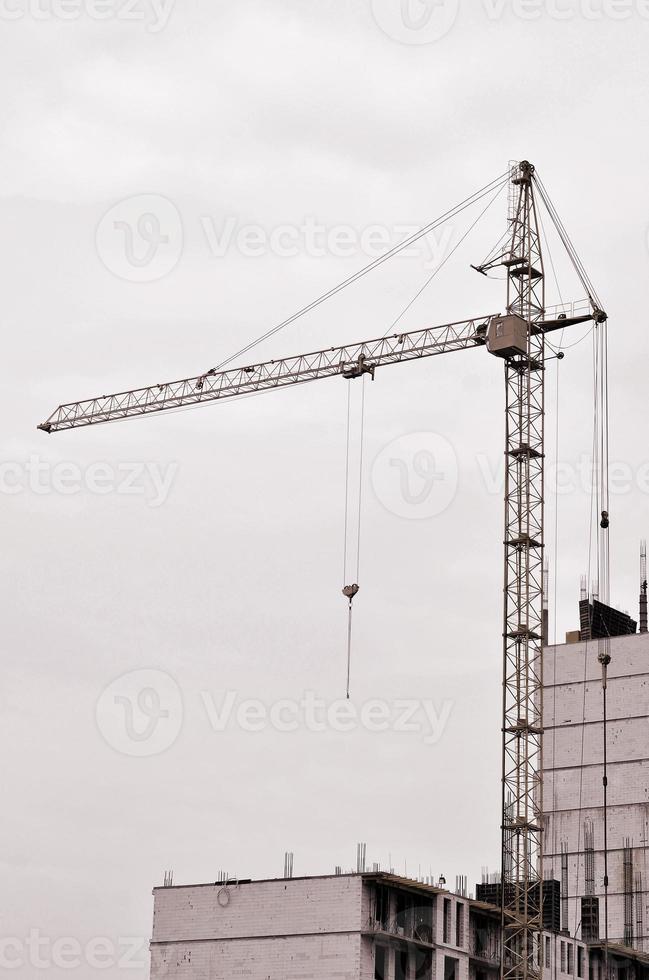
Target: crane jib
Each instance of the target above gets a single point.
(351, 362)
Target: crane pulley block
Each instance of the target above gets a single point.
(357, 369)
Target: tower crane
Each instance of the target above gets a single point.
(518, 337)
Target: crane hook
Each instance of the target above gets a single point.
(350, 591)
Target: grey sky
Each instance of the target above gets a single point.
(228, 578)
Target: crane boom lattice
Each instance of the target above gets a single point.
(350, 361)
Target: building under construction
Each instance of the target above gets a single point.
(584, 842)
(378, 926)
(362, 926)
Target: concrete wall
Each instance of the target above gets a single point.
(561, 959)
(261, 931)
(335, 957)
(573, 770)
(450, 947)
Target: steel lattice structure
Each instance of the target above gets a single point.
(351, 362)
(523, 593)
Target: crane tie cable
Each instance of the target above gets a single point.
(568, 245)
(473, 199)
(450, 255)
(351, 591)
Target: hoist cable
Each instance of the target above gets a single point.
(601, 455)
(350, 591)
(595, 501)
(556, 506)
(555, 601)
(349, 402)
(598, 536)
(360, 483)
(349, 649)
(589, 566)
(602, 333)
(600, 497)
(421, 233)
(592, 522)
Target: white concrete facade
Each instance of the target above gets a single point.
(294, 928)
(573, 752)
(348, 927)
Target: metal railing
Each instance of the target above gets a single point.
(403, 927)
(487, 949)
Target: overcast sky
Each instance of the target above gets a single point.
(176, 178)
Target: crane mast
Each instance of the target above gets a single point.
(644, 619)
(522, 804)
